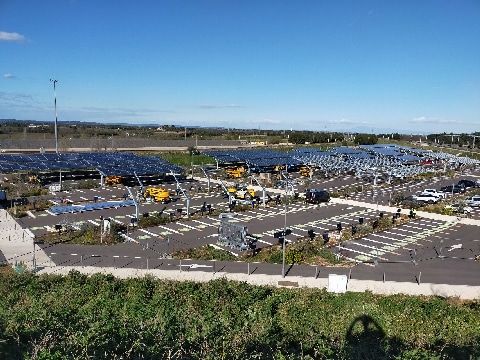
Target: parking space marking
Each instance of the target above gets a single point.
(171, 230)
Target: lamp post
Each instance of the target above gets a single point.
(284, 231)
(56, 115)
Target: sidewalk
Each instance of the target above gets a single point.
(377, 287)
(17, 244)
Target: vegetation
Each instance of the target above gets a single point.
(87, 235)
(300, 252)
(153, 219)
(101, 317)
(314, 137)
(19, 211)
(186, 158)
(366, 139)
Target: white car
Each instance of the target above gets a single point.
(435, 193)
(427, 198)
(473, 201)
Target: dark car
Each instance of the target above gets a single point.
(316, 196)
(467, 183)
(455, 189)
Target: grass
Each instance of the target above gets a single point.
(304, 251)
(184, 159)
(87, 235)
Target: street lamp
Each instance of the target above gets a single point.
(284, 230)
(56, 115)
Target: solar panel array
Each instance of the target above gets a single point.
(70, 209)
(392, 160)
(254, 158)
(108, 163)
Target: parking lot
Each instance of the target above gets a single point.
(416, 248)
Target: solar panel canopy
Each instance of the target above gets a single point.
(264, 158)
(107, 163)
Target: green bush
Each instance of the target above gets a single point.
(101, 317)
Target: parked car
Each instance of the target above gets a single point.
(435, 193)
(426, 198)
(473, 201)
(455, 189)
(468, 183)
(316, 196)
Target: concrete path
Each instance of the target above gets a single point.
(377, 287)
(17, 244)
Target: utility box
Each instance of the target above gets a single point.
(234, 235)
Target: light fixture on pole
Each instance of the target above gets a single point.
(56, 115)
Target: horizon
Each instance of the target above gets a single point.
(368, 65)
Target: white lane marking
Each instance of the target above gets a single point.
(168, 229)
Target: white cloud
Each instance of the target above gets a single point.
(430, 120)
(9, 76)
(344, 121)
(271, 121)
(227, 106)
(11, 36)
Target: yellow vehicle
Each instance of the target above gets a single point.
(158, 194)
(113, 180)
(236, 172)
(243, 193)
(33, 179)
(305, 171)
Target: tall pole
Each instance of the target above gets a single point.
(284, 232)
(56, 115)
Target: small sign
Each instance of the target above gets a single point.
(337, 283)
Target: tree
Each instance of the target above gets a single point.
(366, 139)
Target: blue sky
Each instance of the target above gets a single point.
(325, 65)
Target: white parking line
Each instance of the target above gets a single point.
(168, 229)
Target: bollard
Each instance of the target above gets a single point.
(147, 263)
(248, 268)
(383, 276)
(350, 274)
(316, 272)
(419, 277)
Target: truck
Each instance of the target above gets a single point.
(235, 172)
(241, 192)
(160, 195)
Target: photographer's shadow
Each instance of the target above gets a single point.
(366, 339)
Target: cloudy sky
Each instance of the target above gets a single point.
(412, 66)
